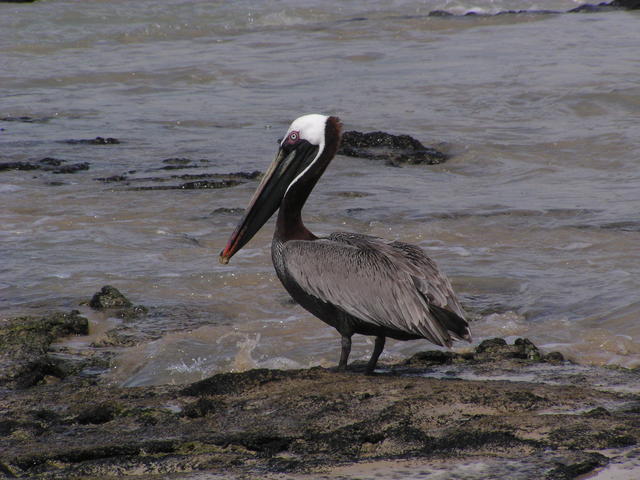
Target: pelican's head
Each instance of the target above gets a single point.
(301, 148)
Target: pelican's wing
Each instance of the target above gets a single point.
(430, 281)
(377, 282)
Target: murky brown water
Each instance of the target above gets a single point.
(535, 217)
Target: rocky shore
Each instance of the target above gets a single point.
(499, 402)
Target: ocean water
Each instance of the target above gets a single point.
(535, 217)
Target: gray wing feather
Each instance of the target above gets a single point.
(431, 282)
(386, 284)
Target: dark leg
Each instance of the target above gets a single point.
(377, 350)
(346, 350)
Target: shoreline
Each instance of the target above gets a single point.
(439, 410)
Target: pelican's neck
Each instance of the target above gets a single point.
(289, 225)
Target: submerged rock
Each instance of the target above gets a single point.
(196, 181)
(584, 8)
(72, 168)
(48, 164)
(228, 211)
(94, 141)
(110, 298)
(394, 149)
(197, 185)
(24, 118)
(112, 179)
(627, 4)
(180, 163)
(605, 6)
(19, 166)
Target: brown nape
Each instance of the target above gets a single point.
(333, 135)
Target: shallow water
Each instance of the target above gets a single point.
(535, 218)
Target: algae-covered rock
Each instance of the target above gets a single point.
(94, 141)
(99, 413)
(265, 423)
(394, 149)
(490, 350)
(47, 164)
(554, 357)
(497, 348)
(109, 297)
(24, 343)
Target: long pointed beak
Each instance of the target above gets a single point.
(264, 203)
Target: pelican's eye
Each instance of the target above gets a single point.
(293, 137)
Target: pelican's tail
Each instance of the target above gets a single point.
(456, 326)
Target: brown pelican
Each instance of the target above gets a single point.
(355, 283)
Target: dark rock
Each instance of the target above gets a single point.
(24, 118)
(265, 423)
(490, 350)
(585, 8)
(497, 348)
(18, 166)
(112, 179)
(47, 164)
(98, 414)
(117, 337)
(177, 161)
(394, 149)
(526, 349)
(554, 357)
(598, 412)
(133, 312)
(246, 175)
(24, 343)
(202, 407)
(225, 383)
(585, 463)
(55, 165)
(199, 181)
(491, 344)
(353, 194)
(201, 184)
(54, 162)
(197, 185)
(226, 176)
(265, 444)
(73, 168)
(432, 357)
(604, 6)
(94, 141)
(180, 163)
(261, 423)
(440, 13)
(178, 167)
(228, 211)
(579, 436)
(626, 4)
(35, 334)
(109, 297)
